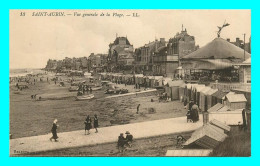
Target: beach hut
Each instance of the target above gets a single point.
(207, 136)
(221, 125)
(197, 91)
(225, 114)
(158, 81)
(188, 90)
(209, 97)
(181, 91)
(236, 101)
(173, 87)
(203, 98)
(218, 97)
(247, 94)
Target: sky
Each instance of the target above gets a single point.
(35, 39)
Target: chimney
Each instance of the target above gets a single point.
(162, 39)
(228, 39)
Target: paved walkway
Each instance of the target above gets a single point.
(105, 135)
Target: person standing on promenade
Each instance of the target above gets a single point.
(87, 124)
(54, 131)
(96, 122)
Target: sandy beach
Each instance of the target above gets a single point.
(29, 117)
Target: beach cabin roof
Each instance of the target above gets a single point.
(190, 86)
(224, 109)
(215, 107)
(199, 88)
(211, 91)
(205, 90)
(207, 136)
(188, 152)
(219, 124)
(219, 94)
(235, 98)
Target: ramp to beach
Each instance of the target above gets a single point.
(110, 134)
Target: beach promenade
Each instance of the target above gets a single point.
(105, 135)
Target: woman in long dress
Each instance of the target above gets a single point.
(54, 130)
(87, 124)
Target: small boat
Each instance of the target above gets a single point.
(73, 88)
(96, 88)
(85, 97)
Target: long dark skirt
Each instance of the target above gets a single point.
(95, 124)
(88, 126)
(54, 135)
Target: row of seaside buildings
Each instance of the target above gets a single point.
(159, 57)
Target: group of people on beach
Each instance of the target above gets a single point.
(124, 142)
(87, 122)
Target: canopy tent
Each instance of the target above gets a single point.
(218, 54)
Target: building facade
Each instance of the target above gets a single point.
(144, 56)
(120, 55)
(166, 60)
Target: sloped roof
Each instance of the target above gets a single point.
(205, 90)
(188, 152)
(219, 94)
(218, 49)
(211, 91)
(224, 109)
(234, 98)
(220, 125)
(216, 107)
(207, 136)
